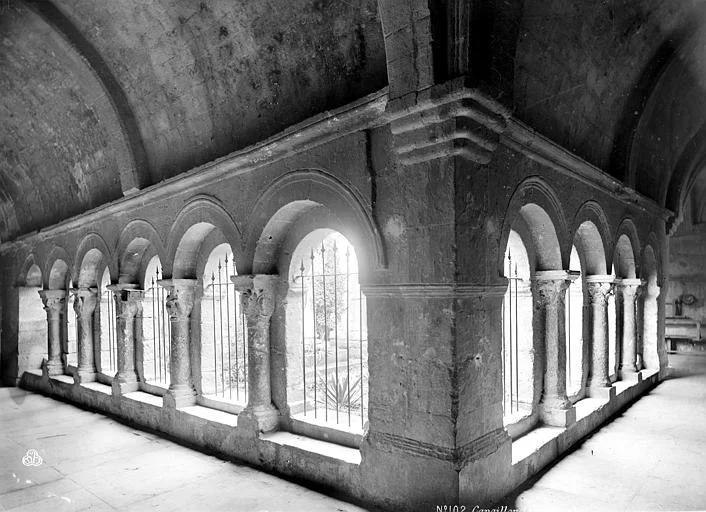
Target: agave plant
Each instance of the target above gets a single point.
(345, 394)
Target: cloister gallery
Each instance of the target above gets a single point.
(409, 251)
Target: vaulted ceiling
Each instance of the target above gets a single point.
(103, 98)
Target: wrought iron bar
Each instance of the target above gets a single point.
(235, 317)
(220, 324)
(348, 332)
(517, 346)
(301, 275)
(245, 350)
(360, 346)
(335, 322)
(570, 335)
(154, 341)
(509, 269)
(323, 265)
(313, 303)
(213, 328)
(230, 365)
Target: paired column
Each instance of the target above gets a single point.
(550, 286)
(54, 304)
(599, 289)
(628, 360)
(85, 305)
(650, 352)
(258, 297)
(180, 302)
(128, 309)
(639, 326)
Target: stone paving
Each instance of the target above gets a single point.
(91, 462)
(651, 457)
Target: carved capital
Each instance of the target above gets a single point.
(85, 301)
(550, 286)
(599, 288)
(447, 120)
(629, 289)
(653, 291)
(53, 300)
(128, 299)
(257, 294)
(180, 297)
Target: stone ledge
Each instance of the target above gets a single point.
(216, 431)
(145, 398)
(99, 387)
(433, 290)
(213, 415)
(64, 379)
(541, 446)
(315, 429)
(329, 450)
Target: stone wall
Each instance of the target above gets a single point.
(429, 210)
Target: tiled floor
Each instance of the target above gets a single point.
(91, 462)
(652, 457)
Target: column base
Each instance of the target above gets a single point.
(265, 418)
(86, 374)
(55, 368)
(120, 388)
(485, 470)
(554, 417)
(630, 375)
(177, 397)
(603, 392)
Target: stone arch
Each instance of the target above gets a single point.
(591, 236)
(31, 272)
(138, 242)
(90, 272)
(202, 222)
(625, 249)
(536, 204)
(325, 199)
(92, 256)
(57, 270)
(646, 269)
(32, 339)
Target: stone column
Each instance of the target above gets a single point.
(650, 350)
(258, 296)
(128, 307)
(628, 290)
(54, 303)
(550, 286)
(180, 302)
(84, 306)
(599, 289)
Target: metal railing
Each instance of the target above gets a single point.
(156, 332)
(224, 346)
(510, 341)
(333, 338)
(574, 335)
(108, 342)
